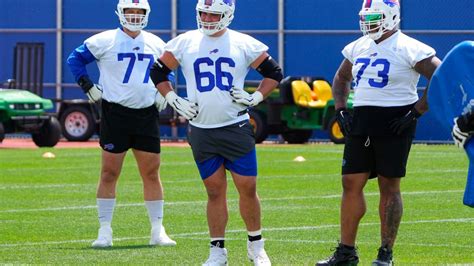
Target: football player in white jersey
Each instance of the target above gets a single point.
(130, 107)
(215, 61)
(384, 67)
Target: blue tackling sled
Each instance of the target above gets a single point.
(451, 92)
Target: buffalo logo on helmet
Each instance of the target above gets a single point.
(391, 3)
(229, 2)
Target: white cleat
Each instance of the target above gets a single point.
(217, 257)
(160, 238)
(256, 253)
(104, 240)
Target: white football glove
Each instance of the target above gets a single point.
(160, 102)
(95, 93)
(459, 137)
(187, 109)
(241, 96)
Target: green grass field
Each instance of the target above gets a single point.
(48, 215)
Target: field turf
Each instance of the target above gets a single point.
(48, 213)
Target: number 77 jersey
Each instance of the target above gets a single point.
(124, 65)
(383, 74)
(211, 66)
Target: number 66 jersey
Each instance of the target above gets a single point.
(383, 74)
(211, 66)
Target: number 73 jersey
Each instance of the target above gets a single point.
(384, 74)
(211, 66)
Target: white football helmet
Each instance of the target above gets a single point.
(378, 17)
(133, 22)
(225, 8)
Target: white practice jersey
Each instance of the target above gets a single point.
(383, 74)
(124, 65)
(211, 66)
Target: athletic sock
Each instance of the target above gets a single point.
(348, 247)
(255, 235)
(155, 212)
(105, 209)
(218, 242)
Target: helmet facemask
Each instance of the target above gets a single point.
(372, 25)
(378, 17)
(133, 22)
(224, 8)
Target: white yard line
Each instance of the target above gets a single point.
(300, 228)
(333, 242)
(166, 180)
(173, 203)
(94, 207)
(11, 187)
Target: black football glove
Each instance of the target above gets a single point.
(344, 119)
(459, 136)
(463, 129)
(398, 125)
(85, 83)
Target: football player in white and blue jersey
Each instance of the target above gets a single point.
(130, 108)
(384, 67)
(215, 61)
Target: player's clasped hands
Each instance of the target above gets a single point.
(241, 96)
(187, 109)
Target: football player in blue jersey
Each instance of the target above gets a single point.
(452, 92)
(130, 108)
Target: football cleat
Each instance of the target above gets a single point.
(217, 257)
(384, 257)
(256, 253)
(342, 256)
(160, 238)
(104, 239)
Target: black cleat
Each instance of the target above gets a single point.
(343, 256)
(384, 258)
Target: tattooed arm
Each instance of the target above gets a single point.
(341, 84)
